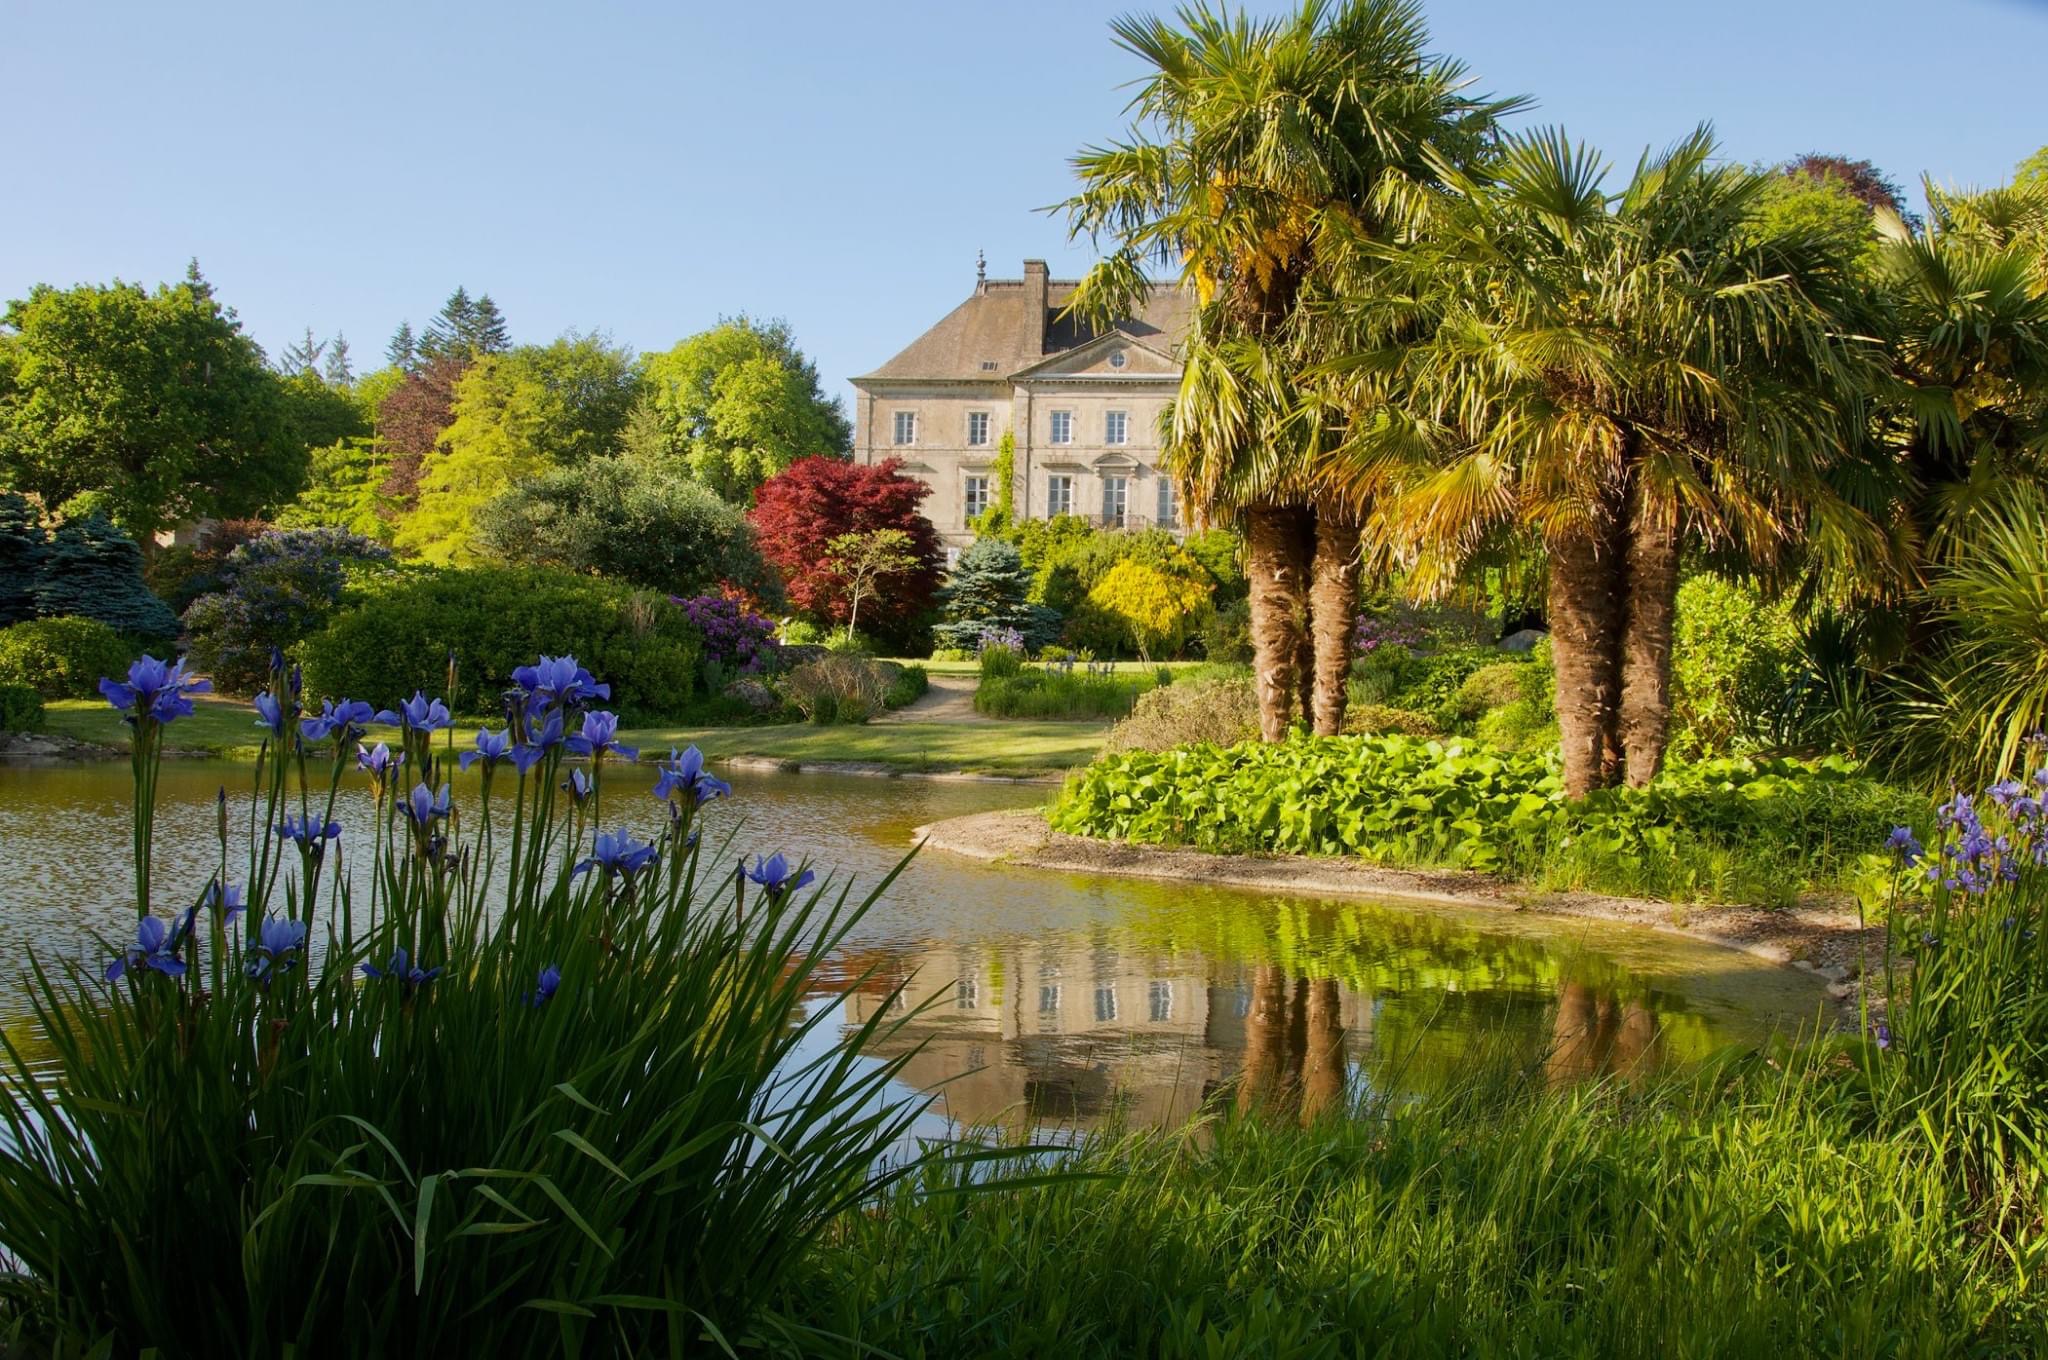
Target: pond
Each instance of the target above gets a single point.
(1043, 999)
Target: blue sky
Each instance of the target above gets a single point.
(644, 169)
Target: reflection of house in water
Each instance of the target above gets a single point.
(1065, 1030)
(1070, 1030)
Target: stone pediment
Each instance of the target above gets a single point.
(1112, 357)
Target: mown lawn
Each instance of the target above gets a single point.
(226, 727)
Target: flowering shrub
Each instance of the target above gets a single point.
(272, 592)
(518, 1059)
(737, 641)
(1369, 634)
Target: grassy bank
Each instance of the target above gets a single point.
(1741, 1213)
(226, 727)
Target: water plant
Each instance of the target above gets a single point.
(498, 1082)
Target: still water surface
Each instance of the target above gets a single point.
(1055, 1000)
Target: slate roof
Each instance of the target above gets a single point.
(995, 327)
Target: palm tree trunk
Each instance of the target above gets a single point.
(1652, 603)
(1584, 605)
(1333, 602)
(1276, 569)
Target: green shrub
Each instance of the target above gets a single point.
(999, 662)
(1726, 829)
(1226, 633)
(953, 654)
(1379, 719)
(907, 684)
(21, 708)
(1492, 686)
(838, 688)
(1056, 692)
(63, 658)
(397, 640)
(1220, 710)
(1734, 661)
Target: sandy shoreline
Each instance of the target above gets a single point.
(1824, 941)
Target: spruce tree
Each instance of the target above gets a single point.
(402, 353)
(488, 333)
(23, 546)
(94, 571)
(991, 589)
(338, 372)
(452, 332)
(302, 357)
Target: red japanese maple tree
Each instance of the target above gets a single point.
(798, 511)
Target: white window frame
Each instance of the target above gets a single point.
(1105, 1003)
(985, 421)
(1116, 428)
(968, 486)
(1059, 495)
(967, 994)
(902, 419)
(1116, 499)
(1060, 427)
(1049, 998)
(1159, 1001)
(1167, 509)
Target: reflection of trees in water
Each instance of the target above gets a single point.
(1293, 1046)
(1598, 1033)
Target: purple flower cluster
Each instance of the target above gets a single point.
(1007, 638)
(1369, 634)
(1974, 856)
(735, 637)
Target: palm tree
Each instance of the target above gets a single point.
(1618, 375)
(1253, 141)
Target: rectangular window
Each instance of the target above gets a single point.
(966, 994)
(1116, 500)
(977, 427)
(1105, 1003)
(1059, 496)
(977, 496)
(1049, 1000)
(1160, 996)
(906, 427)
(1116, 428)
(1062, 427)
(1165, 501)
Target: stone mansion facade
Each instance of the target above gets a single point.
(1083, 405)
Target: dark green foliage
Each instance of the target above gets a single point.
(629, 521)
(1426, 682)
(907, 686)
(1056, 692)
(23, 545)
(1720, 830)
(465, 328)
(21, 708)
(63, 658)
(990, 590)
(94, 571)
(273, 592)
(496, 618)
(180, 575)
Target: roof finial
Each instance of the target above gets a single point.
(980, 271)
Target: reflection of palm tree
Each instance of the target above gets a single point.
(1598, 1033)
(1322, 1073)
(1266, 1026)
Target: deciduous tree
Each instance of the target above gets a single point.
(815, 500)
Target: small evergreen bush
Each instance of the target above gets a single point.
(990, 590)
(62, 658)
(92, 570)
(21, 708)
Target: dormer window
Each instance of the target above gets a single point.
(1117, 360)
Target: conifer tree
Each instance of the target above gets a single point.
(403, 352)
(451, 331)
(94, 571)
(338, 372)
(990, 589)
(488, 333)
(23, 546)
(303, 356)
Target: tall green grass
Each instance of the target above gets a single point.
(272, 1153)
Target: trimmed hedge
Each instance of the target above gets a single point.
(397, 637)
(63, 658)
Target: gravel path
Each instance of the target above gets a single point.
(950, 699)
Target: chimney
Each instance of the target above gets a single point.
(1035, 274)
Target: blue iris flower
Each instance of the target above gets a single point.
(343, 720)
(156, 946)
(401, 969)
(1884, 1034)
(421, 714)
(379, 761)
(425, 807)
(491, 747)
(308, 834)
(155, 690)
(775, 876)
(555, 681)
(225, 899)
(534, 749)
(616, 852)
(598, 737)
(270, 713)
(550, 980)
(277, 945)
(1903, 843)
(579, 787)
(685, 774)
